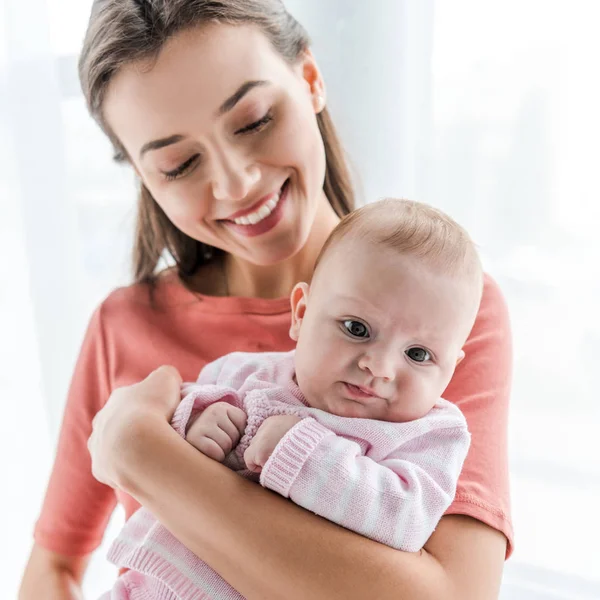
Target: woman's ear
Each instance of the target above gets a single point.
(299, 302)
(312, 76)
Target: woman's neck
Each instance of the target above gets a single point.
(276, 281)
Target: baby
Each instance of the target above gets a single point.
(351, 425)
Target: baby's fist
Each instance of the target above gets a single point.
(217, 430)
(267, 437)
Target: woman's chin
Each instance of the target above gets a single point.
(280, 248)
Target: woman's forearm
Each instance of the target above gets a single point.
(57, 585)
(51, 576)
(262, 544)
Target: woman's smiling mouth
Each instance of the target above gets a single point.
(261, 217)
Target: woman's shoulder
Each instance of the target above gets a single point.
(491, 336)
(488, 350)
(493, 302)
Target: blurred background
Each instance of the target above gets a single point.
(488, 110)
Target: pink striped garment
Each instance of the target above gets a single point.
(390, 482)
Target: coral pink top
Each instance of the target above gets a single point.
(128, 337)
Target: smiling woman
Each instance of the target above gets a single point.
(222, 152)
(274, 149)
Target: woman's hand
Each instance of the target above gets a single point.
(267, 437)
(117, 425)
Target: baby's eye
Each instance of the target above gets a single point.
(418, 354)
(356, 329)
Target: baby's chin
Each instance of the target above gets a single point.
(357, 410)
(353, 409)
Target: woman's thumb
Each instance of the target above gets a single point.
(165, 383)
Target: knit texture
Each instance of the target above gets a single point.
(390, 482)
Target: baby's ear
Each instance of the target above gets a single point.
(299, 302)
(461, 355)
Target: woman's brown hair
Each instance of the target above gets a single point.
(123, 31)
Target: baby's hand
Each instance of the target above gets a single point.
(269, 434)
(217, 430)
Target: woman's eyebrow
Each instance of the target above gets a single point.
(239, 94)
(161, 143)
(225, 107)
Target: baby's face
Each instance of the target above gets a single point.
(379, 335)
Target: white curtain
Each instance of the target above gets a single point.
(64, 234)
(488, 110)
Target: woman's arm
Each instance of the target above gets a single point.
(266, 547)
(52, 576)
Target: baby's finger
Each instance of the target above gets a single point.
(210, 448)
(221, 437)
(238, 417)
(230, 429)
(250, 460)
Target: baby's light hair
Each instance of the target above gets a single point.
(414, 229)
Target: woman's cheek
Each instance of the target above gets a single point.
(300, 127)
(184, 209)
(179, 216)
(277, 149)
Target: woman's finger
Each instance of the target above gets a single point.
(161, 390)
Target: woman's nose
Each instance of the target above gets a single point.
(233, 176)
(380, 363)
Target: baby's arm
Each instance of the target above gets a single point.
(397, 500)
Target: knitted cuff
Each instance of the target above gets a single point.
(290, 455)
(183, 413)
(197, 398)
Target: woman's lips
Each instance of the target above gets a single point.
(256, 206)
(266, 224)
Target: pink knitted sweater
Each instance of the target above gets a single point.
(390, 482)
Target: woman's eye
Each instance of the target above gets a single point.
(356, 329)
(418, 354)
(257, 125)
(181, 169)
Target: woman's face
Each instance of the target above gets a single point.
(223, 133)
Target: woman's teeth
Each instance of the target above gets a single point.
(262, 213)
